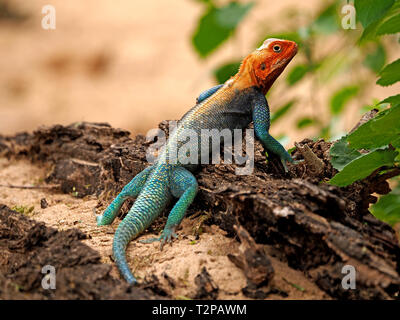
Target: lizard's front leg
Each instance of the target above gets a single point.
(208, 93)
(183, 186)
(261, 120)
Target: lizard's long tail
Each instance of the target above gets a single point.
(141, 215)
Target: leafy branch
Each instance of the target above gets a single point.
(375, 145)
(348, 57)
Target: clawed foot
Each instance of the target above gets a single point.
(292, 162)
(285, 166)
(166, 236)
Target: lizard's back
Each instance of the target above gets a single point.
(227, 109)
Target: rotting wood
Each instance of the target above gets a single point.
(316, 228)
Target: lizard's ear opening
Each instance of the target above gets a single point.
(261, 69)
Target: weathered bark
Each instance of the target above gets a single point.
(315, 227)
(206, 287)
(26, 246)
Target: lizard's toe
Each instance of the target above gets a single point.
(162, 244)
(99, 217)
(166, 237)
(98, 220)
(150, 240)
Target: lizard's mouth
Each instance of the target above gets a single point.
(282, 63)
(279, 63)
(295, 49)
(277, 69)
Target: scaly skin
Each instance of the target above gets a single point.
(232, 105)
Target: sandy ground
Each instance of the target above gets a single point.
(182, 261)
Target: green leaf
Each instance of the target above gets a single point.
(391, 25)
(390, 74)
(305, 122)
(387, 24)
(391, 22)
(293, 36)
(396, 142)
(230, 15)
(209, 35)
(393, 100)
(281, 111)
(326, 132)
(341, 154)
(369, 11)
(376, 59)
(388, 207)
(327, 21)
(296, 74)
(217, 25)
(225, 71)
(363, 166)
(210, 2)
(341, 97)
(369, 33)
(377, 132)
(376, 105)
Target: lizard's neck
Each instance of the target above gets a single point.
(245, 78)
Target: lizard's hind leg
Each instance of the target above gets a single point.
(131, 190)
(183, 186)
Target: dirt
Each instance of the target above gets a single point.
(27, 246)
(297, 233)
(69, 221)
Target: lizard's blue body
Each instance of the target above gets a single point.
(232, 105)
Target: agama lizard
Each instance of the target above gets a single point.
(232, 105)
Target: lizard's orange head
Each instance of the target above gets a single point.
(269, 60)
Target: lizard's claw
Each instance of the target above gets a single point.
(285, 166)
(287, 158)
(284, 163)
(98, 217)
(298, 161)
(166, 237)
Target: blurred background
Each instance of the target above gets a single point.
(135, 63)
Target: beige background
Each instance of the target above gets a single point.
(131, 63)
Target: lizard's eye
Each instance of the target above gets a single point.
(277, 48)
